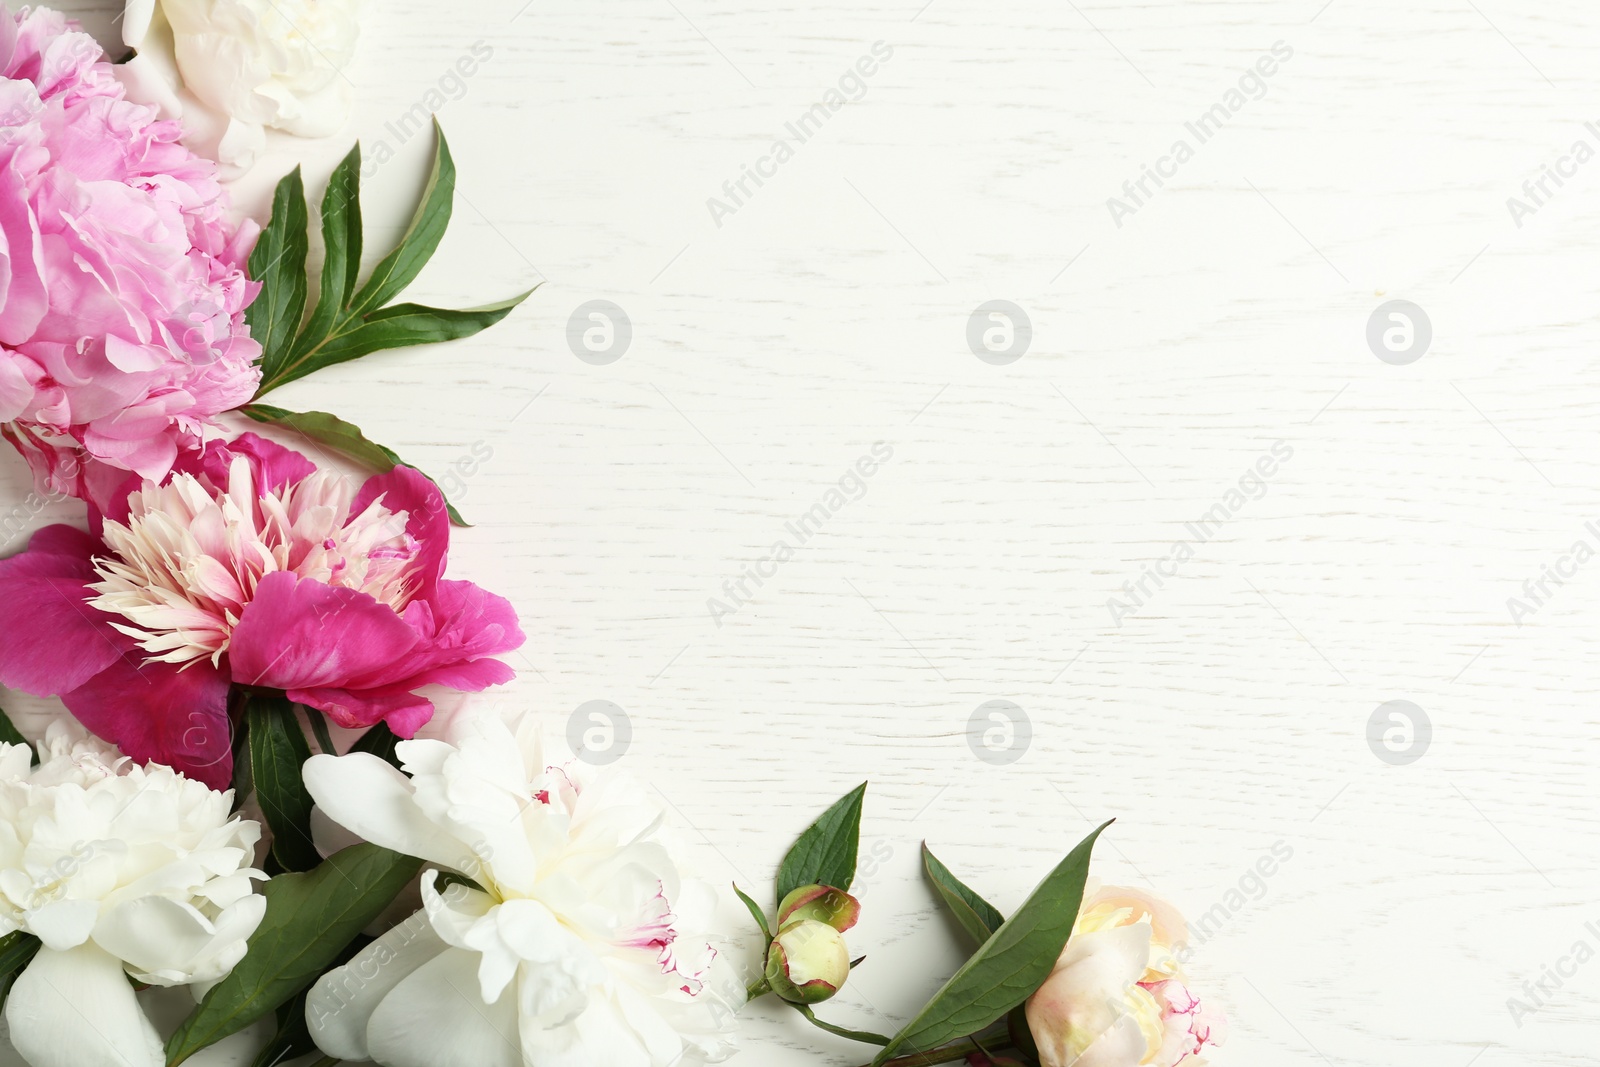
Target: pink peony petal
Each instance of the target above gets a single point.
(274, 466)
(302, 634)
(58, 551)
(409, 490)
(154, 711)
(404, 711)
(50, 640)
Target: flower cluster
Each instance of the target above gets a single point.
(122, 283)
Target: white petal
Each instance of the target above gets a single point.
(363, 793)
(341, 1004)
(76, 1009)
(64, 924)
(435, 1018)
(171, 943)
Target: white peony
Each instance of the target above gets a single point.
(580, 949)
(228, 68)
(122, 872)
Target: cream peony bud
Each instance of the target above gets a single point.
(823, 903)
(807, 962)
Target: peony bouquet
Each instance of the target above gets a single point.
(248, 834)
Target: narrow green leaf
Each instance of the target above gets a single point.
(278, 751)
(826, 853)
(310, 918)
(380, 741)
(866, 1036)
(319, 728)
(341, 242)
(1009, 966)
(755, 912)
(403, 325)
(16, 951)
(975, 915)
(345, 437)
(397, 270)
(279, 264)
(8, 731)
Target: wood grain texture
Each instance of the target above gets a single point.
(1227, 313)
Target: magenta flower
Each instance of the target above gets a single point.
(248, 567)
(122, 283)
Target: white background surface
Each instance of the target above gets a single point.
(830, 311)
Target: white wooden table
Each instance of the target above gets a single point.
(1226, 714)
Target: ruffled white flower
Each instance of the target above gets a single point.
(579, 950)
(121, 871)
(228, 68)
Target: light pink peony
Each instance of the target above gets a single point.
(248, 567)
(1117, 996)
(122, 284)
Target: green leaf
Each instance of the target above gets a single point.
(826, 853)
(975, 915)
(402, 325)
(400, 267)
(9, 733)
(866, 1036)
(279, 264)
(341, 242)
(348, 324)
(380, 741)
(319, 728)
(755, 912)
(310, 918)
(1009, 966)
(344, 436)
(16, 951)
(278, 751)
(292, 1038)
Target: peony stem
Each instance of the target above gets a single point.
(758, 988)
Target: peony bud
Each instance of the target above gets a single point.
(808, 962)
(823, 903)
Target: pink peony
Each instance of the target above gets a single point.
(249, 567)
(122, 284)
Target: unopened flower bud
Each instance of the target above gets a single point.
(823, 903)
(808, 962)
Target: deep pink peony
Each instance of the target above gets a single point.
(249, 566)
(122, 284)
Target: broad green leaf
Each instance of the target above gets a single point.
(826, 853)
(755, 912)
(310, 918)
(380, 741)
(400, 267)
(344, 436)
(341, 242)
(279, 264)
(1008, 967)
(975, 915)
(400, 326)
(278, 751)
(8, 731)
